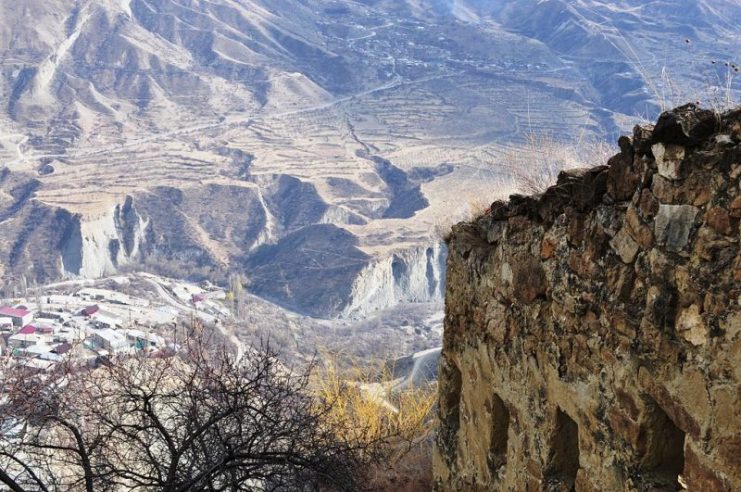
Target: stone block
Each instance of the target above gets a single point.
(691, 326)
(638, 230)
(528, 279)
(685, 125)
(624, 245)
(669, 160)
(674, 224)
(648, 203)
(735, 208)
(700, 476)
(719, 219)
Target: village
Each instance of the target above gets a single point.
(87, 322)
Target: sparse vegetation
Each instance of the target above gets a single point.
(717, 89)
(474, 208)
(200, 419)
(530, 167)
(396, 422)
(534, 165)
(717, 92)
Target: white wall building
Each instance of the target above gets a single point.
(20, 317)
(110, 340)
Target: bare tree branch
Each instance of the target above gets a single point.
(198, 419)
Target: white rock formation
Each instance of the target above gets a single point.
(104, 242)
(412, 275)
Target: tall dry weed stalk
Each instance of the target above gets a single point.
(718, 91)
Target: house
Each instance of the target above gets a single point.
(67, 335)
(6, 324)
(51, 356)
(106, 321)
(45, 329)
(27, 330)
(90, 310)
(36, 364)
(141, 340)
(20, 316)
(38, 349)
(110, 340)
(216, 294)
(62, 348)
(26, 337)
(104, 295)
(57, 317)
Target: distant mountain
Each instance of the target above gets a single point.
(312, 145)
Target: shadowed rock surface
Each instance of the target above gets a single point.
(593, 333)
(308, 270)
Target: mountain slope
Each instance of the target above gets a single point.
(204, 137)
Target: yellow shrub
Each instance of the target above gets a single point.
(366, 405)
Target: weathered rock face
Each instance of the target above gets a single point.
(593, 333)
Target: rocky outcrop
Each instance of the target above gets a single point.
(94, 246)
(593, 332)
(408, 275)
(288, 243)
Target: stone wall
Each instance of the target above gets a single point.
(593, 332)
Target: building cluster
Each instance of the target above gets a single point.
(39, 339)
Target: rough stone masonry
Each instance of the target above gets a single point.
(593, 332)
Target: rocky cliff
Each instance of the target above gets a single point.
(408, 275)
(593, 332)
(271, 232)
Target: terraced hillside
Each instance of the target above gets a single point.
(313, 146)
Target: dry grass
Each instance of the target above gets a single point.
(397, 424)
(718, 91)
(535, 164)
(362, 397)
(527, 168)
(474, 208)
(412, 472)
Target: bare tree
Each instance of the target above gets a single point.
(196, 420)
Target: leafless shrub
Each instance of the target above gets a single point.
(196, 420)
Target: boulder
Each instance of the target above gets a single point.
(669, 160)
(687, 125)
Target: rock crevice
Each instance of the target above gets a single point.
(593, 332)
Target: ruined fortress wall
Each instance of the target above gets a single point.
(593, 333)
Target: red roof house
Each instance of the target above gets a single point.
(45, 329)
(27, 330)
(90, 310)
(13, 312)
(20, 316)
